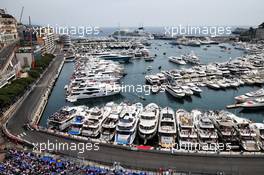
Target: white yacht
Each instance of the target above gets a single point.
(175, 91)
(191, 58)
(256, 103)
(187, 134)
(259, 129)
(148, 122)
(247, 136)
(152, 79)
(187, 90)
(127, 125)
(109, 123)
(223, 84)
(167, 128)
(224, 122)
(194, 88)
(250, 96)
(89, 76)
(87, 91)
(234, 83)
(93, 124)
(177, 60)
(213, 85)
(62, 119)
(207, 132)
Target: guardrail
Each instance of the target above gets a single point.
(154, 150)
(12, 137)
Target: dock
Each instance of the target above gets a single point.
(233, 106)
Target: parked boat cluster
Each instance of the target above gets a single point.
(94, 77)
(247, 70)
(121, 123)
(194, 42)
(117, 51)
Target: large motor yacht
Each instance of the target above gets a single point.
(259, 129)
(148, 122)
(250, 96)
(87, 91)
(62, 119)
(177, 60)
(167, 128)
(187, 134)
(256, 103)
(110, 122)
(93, 124)
(207, 132)
(247, 136)
(127, 125)
(175, 91)
(224, 122)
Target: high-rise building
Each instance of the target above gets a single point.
(46, 38)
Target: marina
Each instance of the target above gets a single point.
(204, 98)
(132, 88)
(111, 116)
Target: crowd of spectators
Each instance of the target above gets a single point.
(28, 163)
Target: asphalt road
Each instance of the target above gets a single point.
(237, 165)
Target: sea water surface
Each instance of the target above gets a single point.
(136, 71)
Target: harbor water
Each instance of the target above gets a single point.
(136, 71)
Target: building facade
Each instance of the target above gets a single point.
(46, 39)
(8, 29)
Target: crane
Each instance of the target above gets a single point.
(21, 14)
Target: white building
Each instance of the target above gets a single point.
(46, 38)
(49, 43)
